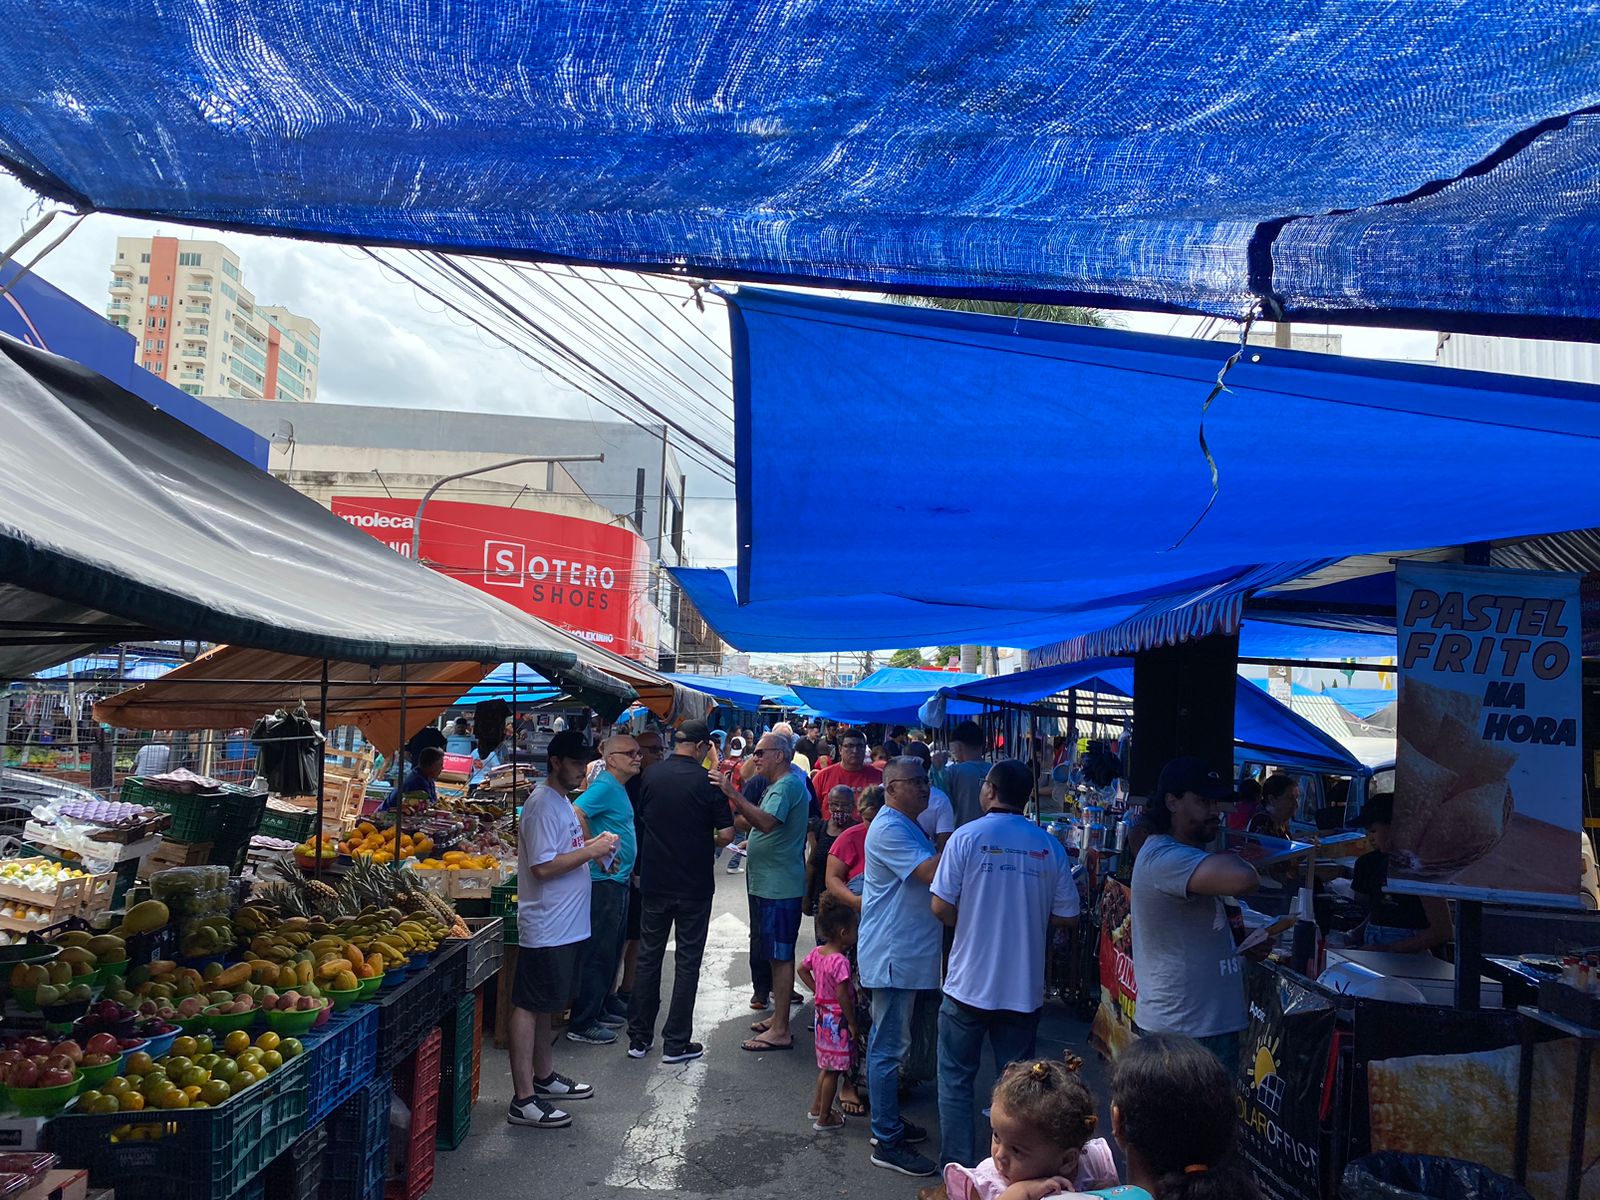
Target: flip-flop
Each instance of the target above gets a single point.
(757, 1046)
(860, 1109)
(834, 1128)
(760, 1027)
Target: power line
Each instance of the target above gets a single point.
(566, 351)
(716, 463)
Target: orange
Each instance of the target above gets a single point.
(268, 1041)
(237, 1042)
(130, 1102)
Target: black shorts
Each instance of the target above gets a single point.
(547, 977)
(635, 910)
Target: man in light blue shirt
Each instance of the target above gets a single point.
(604, 807)
(898, 947)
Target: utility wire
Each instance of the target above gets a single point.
(714, 462)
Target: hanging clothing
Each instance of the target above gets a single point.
(288, 747)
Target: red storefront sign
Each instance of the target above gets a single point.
(586, 577)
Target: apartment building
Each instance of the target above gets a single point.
(199, 328)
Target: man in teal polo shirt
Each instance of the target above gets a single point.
(776, 874)
(605, 808)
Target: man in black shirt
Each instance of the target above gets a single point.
(1398, 923)
(617, 1004)
(682, 818)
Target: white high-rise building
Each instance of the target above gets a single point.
(199, 327)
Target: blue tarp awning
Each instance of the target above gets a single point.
(1428, 166)
(1145, 546)
(744, 690)
(863, 707)
(1261, 724)
(530, 687)
(910, 679)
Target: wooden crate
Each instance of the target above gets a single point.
(98, 892)
(65, 897)
(176, 854)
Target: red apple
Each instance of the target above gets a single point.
(32, 1046)
(23, 1074)
(62, 1062)
(97, 1060)
(103, 1043)
(7, 1057)
(71, 1049)
(55, 1077)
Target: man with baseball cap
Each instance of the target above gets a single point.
(552, 928)
(1189, 974)
(682, 819)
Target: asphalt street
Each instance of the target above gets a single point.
(732, 1125)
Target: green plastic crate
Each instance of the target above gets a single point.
(295, 827)
(503, 903)
(195, 818)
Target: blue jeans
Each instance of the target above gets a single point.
(887, 1043)
(961, 1033)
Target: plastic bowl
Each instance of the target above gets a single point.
(93, 1077)
(41, 1102)
(64, 1013)
(394, 978)
(28, 952)
(292, 1024)
(343, 999)
(417, 962)
(199, 1023)
(161, 1044)
(113, 970)
(228, 1022)
(369, 987)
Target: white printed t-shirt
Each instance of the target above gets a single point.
(1008, 877)
(554, 913)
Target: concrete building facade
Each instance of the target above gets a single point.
(198, 327)
(350, 450)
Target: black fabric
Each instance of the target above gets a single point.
(424, 738)
(489, 724)
(679, 815)
(547, 976)
(1368, 878)
(690, 919)
(288, 746)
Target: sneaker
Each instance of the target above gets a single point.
(562, 1088)
(612, 1021)
(617, 1005)
(690, 1052)
(595, 1035)
(734, 867)
(901, 1157)
(910, 1135)
(537, 1114)
(638, 1049)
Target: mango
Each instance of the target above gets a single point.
(146, 917)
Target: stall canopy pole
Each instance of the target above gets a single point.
(322, 770)
(400, 779)
(1469, 953)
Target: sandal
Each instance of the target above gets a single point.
(853, 1108)
(757, 1046)
(830, 1126)
(760, 1026)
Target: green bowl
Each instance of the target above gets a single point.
(41, 1102)
(228, 1022)
(293, 1024)
(369, 987)
(343, 999)
(113, 970)
(93, 1077)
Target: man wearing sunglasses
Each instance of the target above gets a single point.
(604, 807)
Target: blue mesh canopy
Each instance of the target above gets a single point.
(1043, 482)
(1342, 160)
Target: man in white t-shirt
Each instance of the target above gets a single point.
(1189, 974)
(552, 927)
(1003, 883)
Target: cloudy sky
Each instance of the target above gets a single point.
(385, 342)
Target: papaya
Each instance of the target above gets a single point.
(107, 946)
(264, 971)
(305, 972)
(233, 977)
(74, 937)
(345, 980)
(353, 955)
(146, 917)
(375, 961)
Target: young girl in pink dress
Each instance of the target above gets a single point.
(826, 971)
(1042, 1115)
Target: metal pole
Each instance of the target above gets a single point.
(400, 751)
(322, 771)
(416, 528)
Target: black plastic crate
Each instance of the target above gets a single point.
(405, 1014)
(485, 949)
(356, 1160)
(188, 1154)
(296, 1174)
(449, 968)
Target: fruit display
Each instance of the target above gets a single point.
(198, 1072)
(307, 853)
(456, 860)
(368, 840)
(37, 874)
(67, 980)
(30, 913)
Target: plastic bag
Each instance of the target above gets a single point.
(1390, 1175)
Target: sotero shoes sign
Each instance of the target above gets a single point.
(589, 578)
